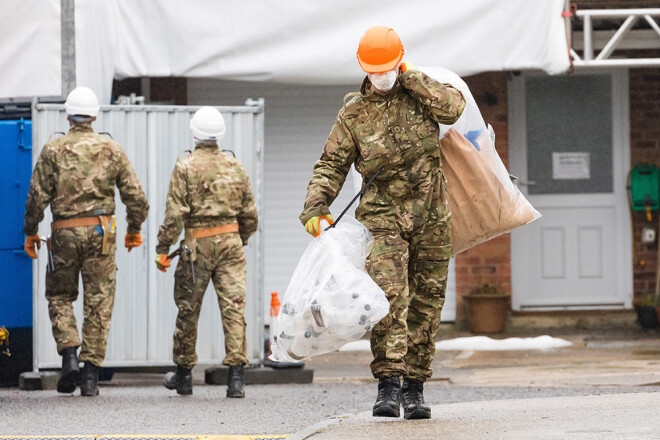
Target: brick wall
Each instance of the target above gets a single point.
(489, 262)
(645, 147)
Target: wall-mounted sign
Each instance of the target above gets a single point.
(570, 166)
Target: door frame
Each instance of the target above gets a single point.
(620, 163)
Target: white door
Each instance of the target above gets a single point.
(569, 146)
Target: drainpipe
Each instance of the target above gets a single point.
(568, 13)
(68, 31)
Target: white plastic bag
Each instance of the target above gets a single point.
(331, 300)
(482, 198)
(471, 124)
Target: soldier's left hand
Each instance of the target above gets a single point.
(132, 240)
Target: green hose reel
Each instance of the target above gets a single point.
(644, 187)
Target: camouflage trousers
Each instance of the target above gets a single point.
(220, 259)
(77, 252)
(412, 270)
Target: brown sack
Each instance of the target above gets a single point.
(482, 206)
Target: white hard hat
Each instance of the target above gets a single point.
(82, 101)
(208, 124)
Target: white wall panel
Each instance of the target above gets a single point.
(144, 314)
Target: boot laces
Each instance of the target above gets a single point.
(388, 388)
(413, 392)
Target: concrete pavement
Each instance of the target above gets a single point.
(597, 364)
(615, 416)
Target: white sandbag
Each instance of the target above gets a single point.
(330, 300)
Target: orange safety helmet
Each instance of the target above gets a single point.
(380, 50)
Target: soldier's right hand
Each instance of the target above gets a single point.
(30, 242)
(162, 262)
(313, 225)
(132, 240)
(406, 66)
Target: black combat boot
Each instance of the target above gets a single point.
(70, 371)
(387, 402)
(235, 381)
(181, 381)
(412, 399)
(89, 380)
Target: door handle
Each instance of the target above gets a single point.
(517, 181)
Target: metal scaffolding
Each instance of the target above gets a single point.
(604, 57)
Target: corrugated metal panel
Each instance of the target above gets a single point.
(144, 314)
(298, 121)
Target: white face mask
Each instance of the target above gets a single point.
(383, 81)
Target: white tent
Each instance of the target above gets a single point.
(297, 41)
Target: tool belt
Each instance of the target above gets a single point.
(75, 223)
(192, 235)
(210, 232)
(107, 223)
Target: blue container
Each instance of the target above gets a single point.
(15, 265)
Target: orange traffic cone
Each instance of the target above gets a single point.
(274, 305)
(274, 311)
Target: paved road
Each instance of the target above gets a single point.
(267, 409)
(138, 404)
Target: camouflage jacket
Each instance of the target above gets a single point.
(396, 133)
(208, 188)
(76, 174)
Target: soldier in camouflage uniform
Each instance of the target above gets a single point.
(210, 196)
(76, 174)
(391, 128)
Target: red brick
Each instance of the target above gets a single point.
(504, 269)
(491, 260)
(498, 260)
(468, 261)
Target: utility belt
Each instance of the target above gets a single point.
(191, 236)
(210, 232)
(106, 222)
